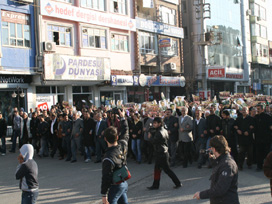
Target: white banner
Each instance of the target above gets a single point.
(66, 67)
(78, 14)
(148, 4)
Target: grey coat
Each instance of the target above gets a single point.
(186, 135)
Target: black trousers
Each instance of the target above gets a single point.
(243, 150)
(148, 150)
(186, 148)
(162, 163)
(57, 144)
(262, 149)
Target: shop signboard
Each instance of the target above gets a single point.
(14, 17)
(160, 28)
(67, 67)
(79, 14)
(44, 102)
(234, 76)
(165, 42)
(9, 79)
(216, 73)
(161, 81)
(257, 86)
(121, 80)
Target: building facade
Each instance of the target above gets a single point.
(214, 46)
(81, 44)
(17, 55)
(159, 51)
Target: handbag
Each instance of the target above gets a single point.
(121, 175)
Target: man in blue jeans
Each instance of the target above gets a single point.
(115, 158)
(17, 129)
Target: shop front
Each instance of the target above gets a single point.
(14, 91)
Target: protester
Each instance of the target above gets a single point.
(17, 130)
(147, 145)
(27, 173)
(76, 135)
(43, 130)
(224, 179)
(136, 139)
(159, 138)
(67, 127)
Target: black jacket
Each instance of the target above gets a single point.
(224, 182)
(43, 130)
(115, 158)
(228, 129)
(34, 123)
(170, 126)
(213, 121)
(198, 130)
(89, 125)
(262, 128)
(3, 127)
(136, 128)
(244, 124)
(159, 140)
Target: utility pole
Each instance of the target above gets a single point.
(203, 11)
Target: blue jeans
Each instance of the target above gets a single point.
(29, 197)
(3, 148)
(16, 133)
(44, 147)
(101, 145)
(136, 148)
(88, 150)
(118, 193)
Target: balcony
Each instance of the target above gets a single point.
(260, 60)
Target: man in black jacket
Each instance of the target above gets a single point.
(34, 123)
(159, 138)
(213, 123)
(115, 158)
(171, 124)
(224, 179)
(3, 133)
(43, 130)
(244, 130)
(263, 127)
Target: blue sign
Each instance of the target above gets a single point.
(161, 81)
(160, 28)
(122, 80)
(257, 86)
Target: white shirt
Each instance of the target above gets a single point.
(197, 121)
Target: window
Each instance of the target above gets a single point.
(258, 30)
(263, 32)
(147, 42)
(119, 42)
(60, 35)
(172, 50)
(259, 50)
(94, 4)
(168, 16)
(258, 10)
(16, 34)
(95, 38)
(119, 6)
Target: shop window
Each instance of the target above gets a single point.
(147, 43)
(119, 42)
(60, 35)
(61, 89)
(94, 4)
(86, 89)
(94, 38)
(168, 15)
(16, 33)
(76, 89)
(119, 6)
(172, 50)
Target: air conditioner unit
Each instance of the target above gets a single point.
(259, 18)
(25, 1)
(172, 66)
(49, 46)
(248, 12)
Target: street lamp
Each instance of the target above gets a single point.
(22, 95)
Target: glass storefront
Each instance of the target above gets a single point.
(107, 96)
(81, 93)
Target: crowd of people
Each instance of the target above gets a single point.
(189, 129)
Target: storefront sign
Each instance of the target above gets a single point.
(44, 102)
(160, 28)
(79, 14)
(161, 81)
(166, 42)
(216, 73)
(257, 86)
(66, 67)
(121, 80)
(267, 82)
(234, 76)
(135, 80)
(9, 79)
(14, 17)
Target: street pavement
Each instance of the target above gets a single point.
(64, 182)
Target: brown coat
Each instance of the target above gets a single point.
(268, 169)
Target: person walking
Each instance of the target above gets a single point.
(76, 135)
(159, 138)
(27, 173)
(224, 179)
